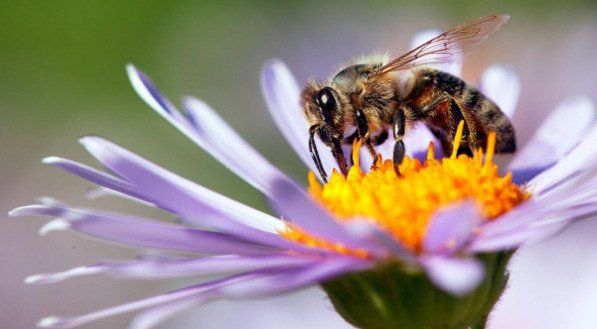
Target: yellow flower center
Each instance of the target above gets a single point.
(403, 204)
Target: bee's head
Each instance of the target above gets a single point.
(323, 109)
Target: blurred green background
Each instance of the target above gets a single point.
(62, 76)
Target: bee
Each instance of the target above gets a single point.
(372, 99)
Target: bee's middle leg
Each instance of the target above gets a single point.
(363, 131)
(399, 124)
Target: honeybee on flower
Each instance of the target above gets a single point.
(445, 247)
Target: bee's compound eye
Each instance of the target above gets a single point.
(327, 103)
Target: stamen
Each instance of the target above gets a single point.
(457, 139)
(491, 139)
(430, 151)
(356, 154)
(403, 205)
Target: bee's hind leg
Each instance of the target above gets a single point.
(447, 136)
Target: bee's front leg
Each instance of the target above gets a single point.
(315, 154)
(339, 155)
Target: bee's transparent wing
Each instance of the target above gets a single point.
(440, 49)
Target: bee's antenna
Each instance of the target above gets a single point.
(315, 154)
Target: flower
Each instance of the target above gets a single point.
(459, 257)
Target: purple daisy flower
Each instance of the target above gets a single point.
(250, 251)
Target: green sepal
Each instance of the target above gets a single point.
(392, 296)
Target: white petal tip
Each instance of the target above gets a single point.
(132, 71)
(26, 210)
(86, 140)
(194, 106)
(273, 62)
(51, 160)
(130, 66)
(33, 279)
(50, 322)
(59, 224)
(146, 89)
(274, 67)
(16, 212)
(49, 201)
(61, 276)
(189, 100)
(95, 145)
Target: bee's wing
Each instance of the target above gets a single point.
(440, 49)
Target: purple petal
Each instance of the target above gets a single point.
(512, 221)
(540, 217)
(206, 129)
(543, 225)
(547, 145)
(118, 185)
(365, 158)
(501, 84)
(200, 206)
(156, 268)
(266, 285)
(140, 232)
(192, 202)
(261, 285)
(363, 228)
(60, 276)
(152, 96)
(101, 191)
(179, 195)
(223, 143)
(200, 292)
(582, 158)
(90, 174)
(515, 239)
(150, 318)
(457, 276)
(294, 205)
(451, 228)
(281, 93)
(417, 143)
(454, 63)
(243, 285)
(172, 198)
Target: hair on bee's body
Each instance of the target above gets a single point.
(367, 99)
